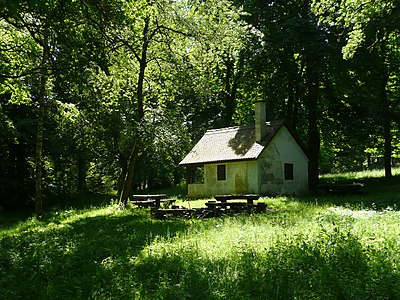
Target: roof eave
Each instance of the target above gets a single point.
(199, 163)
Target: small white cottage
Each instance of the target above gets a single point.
(266, 158)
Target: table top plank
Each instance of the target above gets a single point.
(226, 204)
(149, 197)
(237, 197)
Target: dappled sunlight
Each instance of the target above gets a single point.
(224, 238)
(237, 257)
(360, 175)
(61, 219)
(297, 249)
(77, 244)
(347, 212)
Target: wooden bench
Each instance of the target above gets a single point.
(223, 202)
(259, 206)
(250, 198)
(212, 204)
(151, 200)
(154, 203)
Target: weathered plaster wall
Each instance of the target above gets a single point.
(283, 149)
(241, 177)
(264, 176)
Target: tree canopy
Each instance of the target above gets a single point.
(110, 95)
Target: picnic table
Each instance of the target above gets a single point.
(215, 204)
(221, 205)
(250, 198)
(153, 200)
(224, 202)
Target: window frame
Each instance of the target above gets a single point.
(221, 172)
(288, 171)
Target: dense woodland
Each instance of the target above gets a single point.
(101, 95)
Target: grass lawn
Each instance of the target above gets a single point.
(321, 247)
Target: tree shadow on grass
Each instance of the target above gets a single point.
(88, 258)
(102, 257)
(378, 193)
(78, 201)
(57, 203)
(332, 266)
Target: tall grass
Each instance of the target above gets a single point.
(308, 248)
(315, 254)
(359, 175)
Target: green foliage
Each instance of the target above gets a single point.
(199, 65)
(94, 64)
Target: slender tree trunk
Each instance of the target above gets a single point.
(129, 175)
(20, 173)
(293, 94)
(39, 159)
(40, 129)
(229, 101)
(82, 167)
(388, 149)
(387, 119)
(291, 99)
(313, 131)
(142, 69)
(292, 105)
(126, 190)
(123, 162)
(232, 80)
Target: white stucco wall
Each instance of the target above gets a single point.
(283, 149)
(241, 178)
(264, 176)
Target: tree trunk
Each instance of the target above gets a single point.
(39, 158)
(387, 120)
(388, 148)
(291, 99)
(294, 94)
(82, 173)
(229, 94)
(313, 131)
(129, 175)
(233, 75)
(40, 129)
(123, 162)
(140, 114)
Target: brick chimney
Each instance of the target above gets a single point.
(260, 118)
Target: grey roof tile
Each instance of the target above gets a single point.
(230, 144)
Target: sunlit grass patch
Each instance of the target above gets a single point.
(61, 218)
(318, 247)
(359, 175)
(326, 253)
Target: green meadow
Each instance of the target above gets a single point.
(320, 247)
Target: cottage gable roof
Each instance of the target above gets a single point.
(230, 144)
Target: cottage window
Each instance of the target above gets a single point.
(221, 172)
(289, 172)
